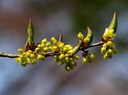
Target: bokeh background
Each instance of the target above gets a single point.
(50, 18)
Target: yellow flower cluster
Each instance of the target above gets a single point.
(87, 40)
(64, 54)
(87, 58)
(26, 57)
(108, 49)
(29, 56)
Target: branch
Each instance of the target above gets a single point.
(4, 54)
(96, 44)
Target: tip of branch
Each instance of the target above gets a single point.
(61, 37)
(113, 24)
(30, 23)
(89, 29)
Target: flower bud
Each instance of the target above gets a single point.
(92, 56)
(105, 55)
(80, 35)
(18, 60)
(68, 68)
(109, 43)
(40, 57)
(86, 40)
(84, 60)
(103, 50)
(61, 56)
(77, 57)
(33, 61)
(48, 44)
(60, 44)
(32, 56)
(45, 49)
(44, 41)
(20, 50)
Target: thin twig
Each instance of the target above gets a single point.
(4, 54)
(96, 44)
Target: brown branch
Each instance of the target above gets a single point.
(4, 54)
(96, 44)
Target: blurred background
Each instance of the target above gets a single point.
(50, 18)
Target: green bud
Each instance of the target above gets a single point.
(89, 35)
(68, 47)
(45, 49)
(53, 39)
(39, 46)
(109, 43)
(30, 40)
(28, 54)
(33, 61)
(60, 44)
(32, 56)
(53, 48)
(73, 63)
(113, 24)
(20, 50)
(37, 49)
(48, 44)
(71, 52)
(68, 68)
(66, 55)
(40, 57)
(110, 51)
(44, 41)
(105, 55)
(42, 45)
(28, 60)
(80, 35)
(92, 56)
(84, 60)
(103, 50)
(23, 64)
(109, 33)
(56, 58)
(71, 59)
(86, 40)
(77, 57)
(105, 45)
(18, 60)
(61, 56)
(67, 59)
